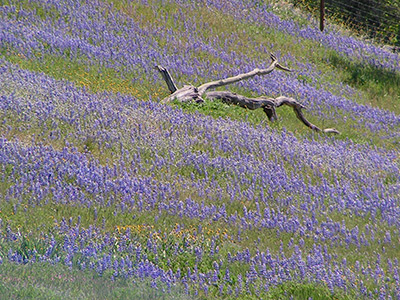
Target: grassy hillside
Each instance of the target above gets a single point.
(107, 193)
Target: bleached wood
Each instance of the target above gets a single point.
(191, 93)
(268, 105)
(167, 78)
(186, 94)
(221, 82)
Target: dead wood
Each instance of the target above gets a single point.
(167, 78)
(213, 84)
(268, 105)
(191, 93)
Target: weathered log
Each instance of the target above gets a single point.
(167, 78)
(191, 93)
(268, 105)
(186, 94)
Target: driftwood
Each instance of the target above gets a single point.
(191, 93)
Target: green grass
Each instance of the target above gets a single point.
(379, 87)
(376, 87)
(95, 77)
(300, 291)
(143, 224)
(57, 282)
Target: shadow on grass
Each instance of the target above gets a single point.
(382, 85)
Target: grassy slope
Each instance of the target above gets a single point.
(378, 88)
(381, 90)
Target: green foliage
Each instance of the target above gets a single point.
(218, 109)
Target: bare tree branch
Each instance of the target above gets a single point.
(191, 93)
(167, 77)
(221, 82)
(268, 105)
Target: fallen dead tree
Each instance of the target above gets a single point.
(190, 93)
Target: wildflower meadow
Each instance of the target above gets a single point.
(107, 193)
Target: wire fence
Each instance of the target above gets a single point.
(377, 19)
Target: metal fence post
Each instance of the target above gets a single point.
(322, 15)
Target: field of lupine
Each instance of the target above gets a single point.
(107, 193)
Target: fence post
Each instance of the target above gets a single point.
(322, 15)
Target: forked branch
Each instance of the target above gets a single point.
(268, 105)
(191, 93)
(221, 82)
